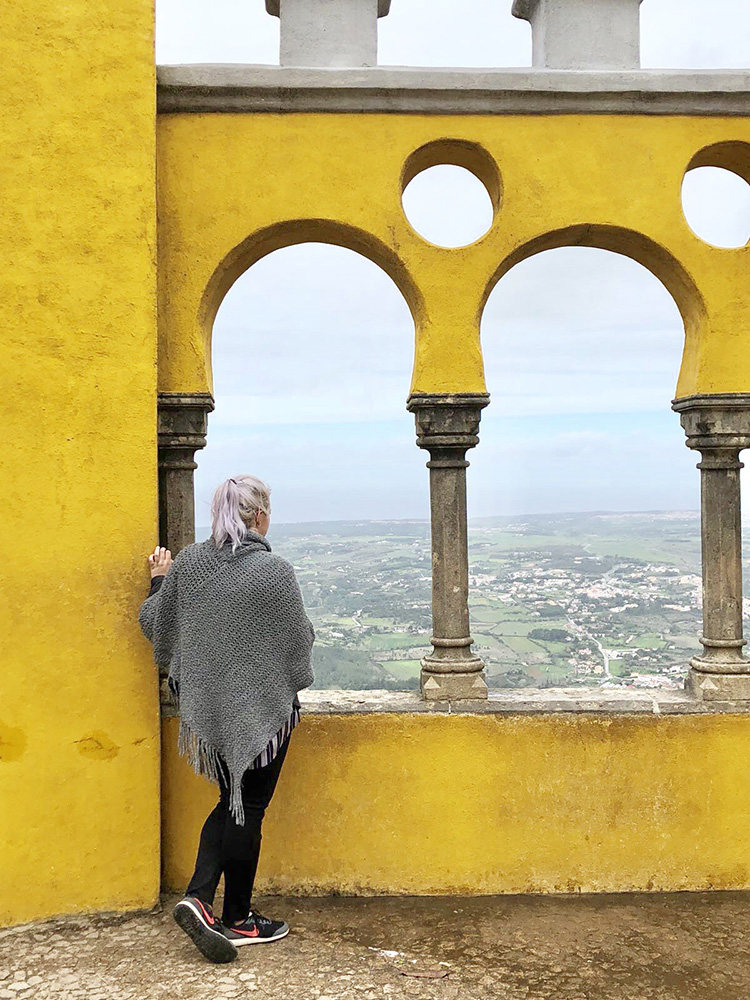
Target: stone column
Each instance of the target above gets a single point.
(329, 33)
(182, 427)
(447, 427)
(718, 426)
(583, 34)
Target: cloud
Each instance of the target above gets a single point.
(674, 33)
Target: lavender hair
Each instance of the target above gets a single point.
(233, 506)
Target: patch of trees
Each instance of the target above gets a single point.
(354, 670)
(550, 634)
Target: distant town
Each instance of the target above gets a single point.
(599, 599)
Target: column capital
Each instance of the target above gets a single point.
(447, 422)
(718, 423)
(182, 426)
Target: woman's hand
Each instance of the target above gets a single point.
(159, 561)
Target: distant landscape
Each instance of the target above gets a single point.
(597, 599)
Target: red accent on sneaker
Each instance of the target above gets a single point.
(206, 913)
(253, 933)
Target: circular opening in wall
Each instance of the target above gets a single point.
(450, 192)
(716, 203)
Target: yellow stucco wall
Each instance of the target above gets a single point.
(234, 187)
(418, 803)
(79, 724)
(412, 803)
(430, 803)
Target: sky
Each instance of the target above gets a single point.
(310, 387)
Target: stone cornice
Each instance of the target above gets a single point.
(237, 88)
(274, 7)
(713, 401)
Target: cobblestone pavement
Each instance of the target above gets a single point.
(686, 946)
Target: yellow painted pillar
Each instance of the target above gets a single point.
(79, 724)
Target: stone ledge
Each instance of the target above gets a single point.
(237, 88)
(528, 701)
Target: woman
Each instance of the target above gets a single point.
(226, 618)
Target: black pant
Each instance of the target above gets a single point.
(225, 847)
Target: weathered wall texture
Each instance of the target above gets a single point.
(489, 804)
(234, 187)
(79, 724)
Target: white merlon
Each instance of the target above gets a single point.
(329, 33)
(583, 34)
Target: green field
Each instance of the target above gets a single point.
(402, 668)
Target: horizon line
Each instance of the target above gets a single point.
(488, 517)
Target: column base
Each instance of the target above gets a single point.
(714, 686)
(466, 682)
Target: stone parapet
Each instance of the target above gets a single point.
(209, 87)
(466, 799)
(519, 701)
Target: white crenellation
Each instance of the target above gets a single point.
(583, 34)
(329, 33)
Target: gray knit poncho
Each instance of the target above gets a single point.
(232, 629)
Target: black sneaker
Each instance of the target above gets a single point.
(205, 930)
(256, 929)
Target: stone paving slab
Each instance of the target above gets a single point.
(682, 946)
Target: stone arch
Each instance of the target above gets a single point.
(642, 249)
(183, 412)
(275, 253)
(293, 232)
(528, 442)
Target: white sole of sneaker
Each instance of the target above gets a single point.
(210, 942)
(240, 942)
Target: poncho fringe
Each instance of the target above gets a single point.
(205, 762)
